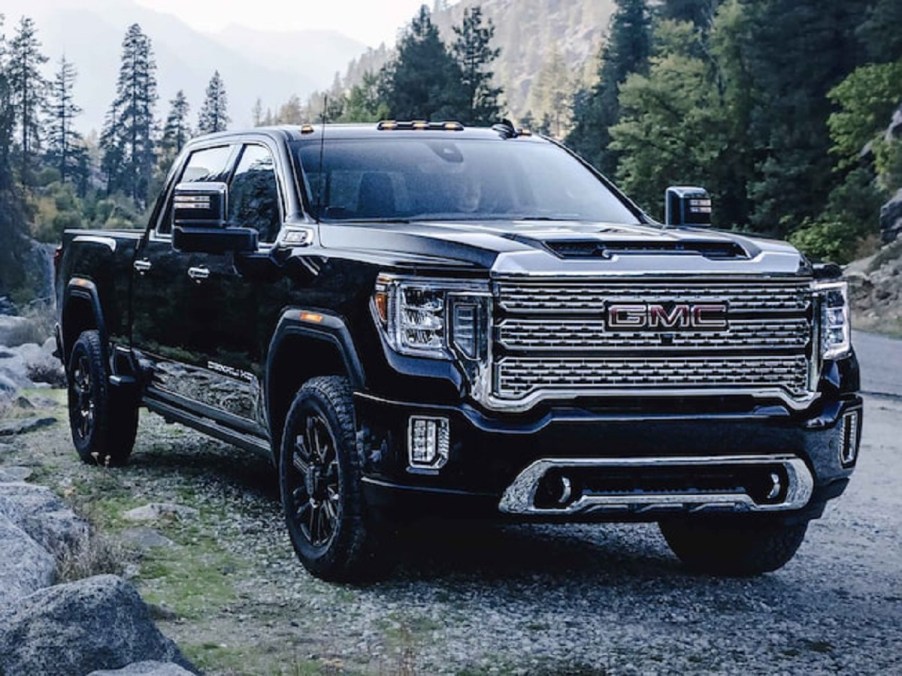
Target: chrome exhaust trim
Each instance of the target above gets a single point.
(520, 496)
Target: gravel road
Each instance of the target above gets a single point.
(517, 599)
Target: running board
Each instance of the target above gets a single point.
(210, 427)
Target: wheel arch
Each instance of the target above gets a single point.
(306, 344)
(81, 311)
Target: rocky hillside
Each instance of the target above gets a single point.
(876, 291)
(536, 37)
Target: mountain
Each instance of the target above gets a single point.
(545, 44)
(253, 64)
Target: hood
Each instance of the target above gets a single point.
(563, 248)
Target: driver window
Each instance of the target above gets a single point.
(209, 164)
(254, 194)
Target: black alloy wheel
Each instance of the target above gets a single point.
(103, 422)
(320, 481)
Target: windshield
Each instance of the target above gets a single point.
(461, 179)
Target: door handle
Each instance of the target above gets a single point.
(198, 274)
(142, 266)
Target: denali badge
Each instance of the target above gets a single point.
(667, 316)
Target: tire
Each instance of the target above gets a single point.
(732, 547)
(103, 426)
(320, 483)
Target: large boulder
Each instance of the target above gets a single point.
(25, 566)
(94, 624)
(43, 516)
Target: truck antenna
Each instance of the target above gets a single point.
(322, 147)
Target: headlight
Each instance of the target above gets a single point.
(833, 300)
(433, 318)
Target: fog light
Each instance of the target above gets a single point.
(428, 440)
(851, 430)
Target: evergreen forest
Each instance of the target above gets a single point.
(779, 107)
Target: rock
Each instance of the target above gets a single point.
(24, 425)
(145, 669)
(145, 538)
(25, 566)
(10, 327)
(14, 473)
(891, 218)
(43, 515)
(894, 130)
(77, 628)
(23, 404)
(156, 511)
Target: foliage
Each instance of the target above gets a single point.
(214, 114)
(364, 103)
(28, 88)
(127, 140)
(866, 100)
(474, 55)
(627, 51)
(176, 132)
(66, 151)
(424, 81)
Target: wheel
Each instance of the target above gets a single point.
(732, 547)
(103, 426)
(320, 482)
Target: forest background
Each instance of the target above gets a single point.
(783, 109)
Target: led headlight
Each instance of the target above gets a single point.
(433, 318)
(835, 327)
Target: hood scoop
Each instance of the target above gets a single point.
(582, 249)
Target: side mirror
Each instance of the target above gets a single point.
(685, 205)
(199, 224)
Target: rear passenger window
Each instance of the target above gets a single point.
(209, 164)
(254, 194)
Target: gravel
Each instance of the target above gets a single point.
(481, 599)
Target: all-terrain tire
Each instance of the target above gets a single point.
(103, 426)
(320, 483)
(733, 547)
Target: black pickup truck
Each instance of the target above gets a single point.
(415, 318)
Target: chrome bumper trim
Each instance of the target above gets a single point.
(519, 498)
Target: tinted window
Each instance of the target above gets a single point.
(254, 194)
(209, 164)
(466, 179)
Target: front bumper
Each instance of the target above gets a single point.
(489, 452)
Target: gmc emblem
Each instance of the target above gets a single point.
(667, 316)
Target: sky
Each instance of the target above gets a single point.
(370, 21)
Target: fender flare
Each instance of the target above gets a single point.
(84, 290)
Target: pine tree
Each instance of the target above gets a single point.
(65, 145)
(214, 115)
(797, 51)
(627, 51)
(176, 131)
(127, 137)
(257, 113)
(364, 103)
(29, 91)
(474, 54)
(424, 80)
(699, 12)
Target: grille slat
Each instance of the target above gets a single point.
(766, 345)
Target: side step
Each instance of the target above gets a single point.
(214, 429)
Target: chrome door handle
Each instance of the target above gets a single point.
(142, 266)
(198, 274)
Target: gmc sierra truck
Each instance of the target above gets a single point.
(418, 318)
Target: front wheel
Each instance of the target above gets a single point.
(733, 547)
(320, 482)
(103, 425)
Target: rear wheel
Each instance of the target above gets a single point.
(733, 547)
(103, 425)
(320, 482)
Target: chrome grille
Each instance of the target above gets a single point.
(570, 334)
(565, 297)
(516, 377)
(551, 338)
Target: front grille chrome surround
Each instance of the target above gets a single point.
(551, 340)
